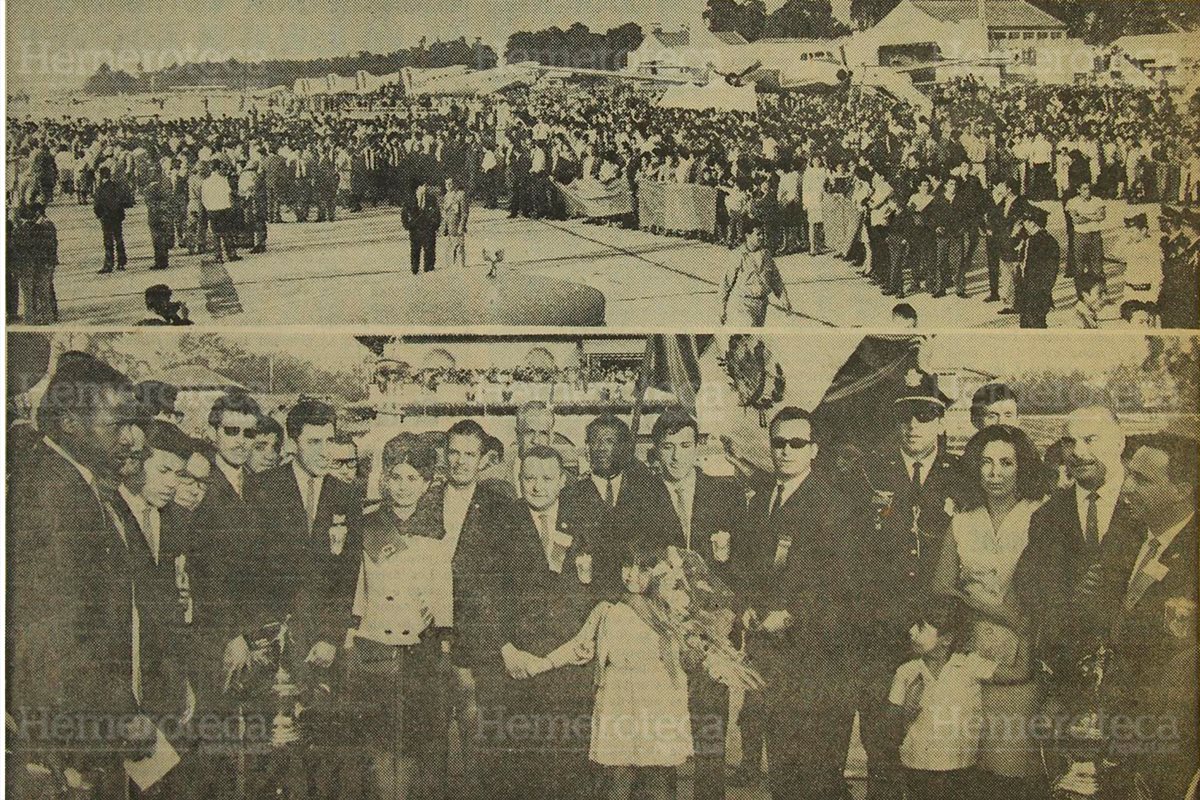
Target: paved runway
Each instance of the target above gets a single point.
(355, 272)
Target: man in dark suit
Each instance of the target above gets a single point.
(532, 735)
(467, 511)
(313, 544)
(422, 216)
(709, 509)
(1057, 578)
(111, 201)
(1040, 271)
(621, 501)
(70, 623)
(947, 216)
(912, 481)
(798, 589)
(227, 557)
(158, 553)
(1155, 566)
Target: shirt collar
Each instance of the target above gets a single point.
(1110, 490)
(137, 504)
(789, 486)
(1168, 536)
(927, 461)
(232, 474)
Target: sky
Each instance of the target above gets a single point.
(53, 44)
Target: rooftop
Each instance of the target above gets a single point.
(999, 13)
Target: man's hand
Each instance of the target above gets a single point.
(777, 622)
(321, 655)
(516, 662)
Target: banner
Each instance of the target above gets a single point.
(588, 197)
(677, 206)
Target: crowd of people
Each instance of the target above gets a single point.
(914, 198)
(241, 602)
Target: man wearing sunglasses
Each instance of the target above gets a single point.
(798, 586)
(911, 479)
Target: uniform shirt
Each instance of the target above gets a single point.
(1106, 503)
(946, 733)
(1143, 270)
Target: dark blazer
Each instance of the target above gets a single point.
(164, 629)
(1142, 647)
(1004, 226)
(304, 577)
(228, 564)
(1041, 270)
(69, 604)
(814, 578)
(422, 219)
(643, 512)
(1049, 572)
(719, 505)
(489, 509)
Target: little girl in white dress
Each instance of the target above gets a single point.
(640, 722)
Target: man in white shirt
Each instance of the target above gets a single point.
(1143, 262)
(1087, 213)
(216, 196)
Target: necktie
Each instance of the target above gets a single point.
(916, 483)
(310, 501)
(685, 518)
(1141, 580)
(609, 497)
(1091, 528)
(150, 530)
(778, 501)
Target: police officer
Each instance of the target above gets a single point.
(912, 479)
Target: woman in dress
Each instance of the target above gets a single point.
(812, 196)
(641, 727)
(1001, 488)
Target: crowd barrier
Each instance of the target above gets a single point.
(684, 207)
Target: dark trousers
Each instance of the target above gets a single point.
(993, 263)
(880, 260)
(114, 243)
(224, 229)
(972, 244)
(947, 261)
(708, 702)
(423, 244)
(161, 238)
(954, 784)
(879, 738)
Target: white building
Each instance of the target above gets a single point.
(687, 53)
(986, 39)
(1171, 58)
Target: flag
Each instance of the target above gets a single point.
(671, 364)
(857, 407)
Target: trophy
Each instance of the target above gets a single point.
(1084, 742)
(285, 691)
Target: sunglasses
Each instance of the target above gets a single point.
(928, 414)
(796, 443)
(345, 462)
(235, 430)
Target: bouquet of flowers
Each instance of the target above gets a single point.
(697, 612)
